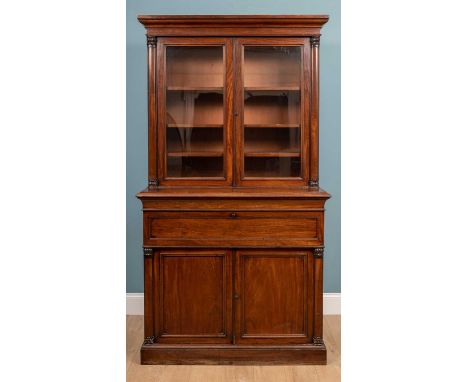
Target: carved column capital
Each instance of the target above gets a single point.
(153, 183)
(313, 182)
(147, 251)
(151, 41)
(318, 252)
(148, 340)
(315, 41)
(317, 341)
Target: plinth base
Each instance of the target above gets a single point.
(178, 354)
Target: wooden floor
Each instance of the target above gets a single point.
(182, 373)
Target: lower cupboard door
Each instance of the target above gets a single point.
(273, 296)
(195, 296)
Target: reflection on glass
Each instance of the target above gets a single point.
(276, 141)
(272, 111)
(194, 111)
(194, 67)
(272, 108)
(272, 167)
(272, 67)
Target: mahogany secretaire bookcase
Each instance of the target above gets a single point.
(233, 215)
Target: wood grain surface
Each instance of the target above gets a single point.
(233, 216)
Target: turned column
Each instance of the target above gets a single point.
(318, 296)
(153, 180)
(148, 295)
(314, 120)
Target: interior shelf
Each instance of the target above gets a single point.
(272, 108)
(271, 125)
(284, 154)
(196, 148)
(196, 88)
(197, 125)
(269, 175)
(270, 148)
(272, 88)
(275, 167)
(194, 108)
(195, 154)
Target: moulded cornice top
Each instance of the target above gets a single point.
(251, 20)
(172, 25)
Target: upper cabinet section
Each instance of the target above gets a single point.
(233, 100)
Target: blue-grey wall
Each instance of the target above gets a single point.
(329, 115)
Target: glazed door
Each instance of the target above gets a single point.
(195, 94)
(193, 296)
(273, 296)
(272, 111)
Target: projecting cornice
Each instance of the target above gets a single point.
(233, 25)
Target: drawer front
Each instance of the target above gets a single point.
(233, 229)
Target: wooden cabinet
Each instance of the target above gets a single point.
(233, 215)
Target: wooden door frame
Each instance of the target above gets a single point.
(226, 43)
(306, 79)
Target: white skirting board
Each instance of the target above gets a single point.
(331, 303)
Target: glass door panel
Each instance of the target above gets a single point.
(195, 136)
(272, 111)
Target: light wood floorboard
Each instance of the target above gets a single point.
(198, 373)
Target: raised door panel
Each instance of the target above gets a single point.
(195, 296)
(273, 293)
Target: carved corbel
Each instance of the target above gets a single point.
(317, 341)
(315, 41)
(153, 183)
(318, 252)
(151, 41)
(314, 182)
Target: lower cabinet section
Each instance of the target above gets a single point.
(230, 306)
